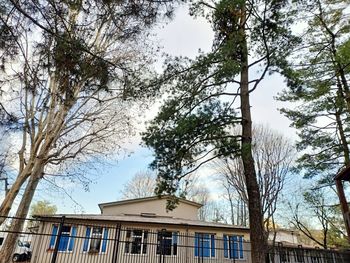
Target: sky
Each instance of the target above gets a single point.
(183, 36)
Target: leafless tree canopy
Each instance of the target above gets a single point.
(318, 217)
(273, 155)
(142, 184)
(71, 84)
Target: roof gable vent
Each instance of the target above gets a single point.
(148, 214)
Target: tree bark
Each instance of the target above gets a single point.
(257, 234)
(18, 223)
(36, 161)
(10, 197)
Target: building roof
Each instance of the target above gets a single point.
(147, 219)
(343, 175)
(291, 245)
(145, 199)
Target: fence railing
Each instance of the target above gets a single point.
(58, 240)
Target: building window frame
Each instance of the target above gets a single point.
(167, 243)
(204, 245)
(233, 246)
(96, 239)
(67, 239)
(136, 242)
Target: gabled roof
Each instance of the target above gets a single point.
(145, 199)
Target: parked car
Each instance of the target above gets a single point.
(22, 251)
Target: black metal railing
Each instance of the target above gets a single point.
(60, 239)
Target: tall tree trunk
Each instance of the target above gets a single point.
(35, 162)
(10, 197)
(17, 224)
(257, 234)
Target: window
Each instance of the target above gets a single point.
(136, 241)
(67, 238)
(233, 247)
(95, 240)
(1, 240)
(204, 245)
(167, 243)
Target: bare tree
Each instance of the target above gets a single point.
(317, 217)
(273, 155)
(142, 184)
(201, 194)
(78, 67)
(6, 161)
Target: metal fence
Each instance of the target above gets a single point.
(62, 240)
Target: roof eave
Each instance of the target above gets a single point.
(135, 200)
(152, 223)
(343, 175)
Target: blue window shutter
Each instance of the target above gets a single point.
(174, 238)
(72, 237)
(174, 243)
(212, 246)
(53, 236)
(86, 241)
(232, 246)
(225, 246)
(204, 244)
(235, 247)
(104, 242)
(63, 245)
(196, 244)
(241, 247)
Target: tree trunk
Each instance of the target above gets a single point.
(257, 234)
(10, 197)
(342, 136)
(17, 224)
(36, 166)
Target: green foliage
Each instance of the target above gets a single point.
(194, 125)
(344, 55)
(7, 36)
(192, 122)
(318, 87)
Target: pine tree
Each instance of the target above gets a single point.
(317, 76)
(194, 124)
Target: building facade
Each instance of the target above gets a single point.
(139, 230)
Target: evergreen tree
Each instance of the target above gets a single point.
(317, 76)
(194, 124)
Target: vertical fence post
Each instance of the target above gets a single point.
(160, 236)
(116, 243)
(58, 239)
(199, 247)
(202, 248)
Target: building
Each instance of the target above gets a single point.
(342, 177)
(139, 230)
(285, 236)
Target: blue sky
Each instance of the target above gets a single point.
(106, 185)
